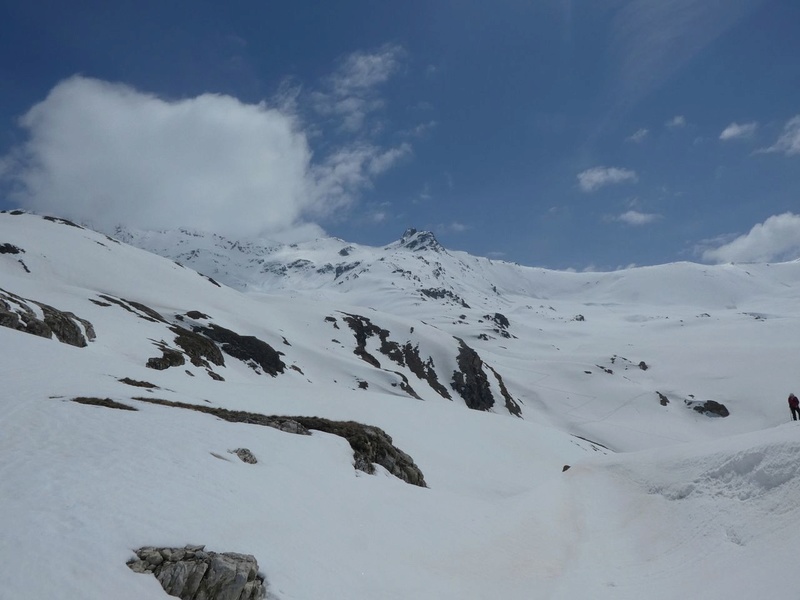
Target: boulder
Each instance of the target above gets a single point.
(191, 573)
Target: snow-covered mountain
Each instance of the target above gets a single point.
(443, 394)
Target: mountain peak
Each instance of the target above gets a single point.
(420, 240)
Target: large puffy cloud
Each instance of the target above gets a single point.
(593, 179)
(107, 154)
(776, 239)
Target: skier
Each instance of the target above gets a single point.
(794, 406)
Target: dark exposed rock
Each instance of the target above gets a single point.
(61, 221)
(578, 318)
(107, 402)
(443, 294)
(155, 315)
(423, 369)
(662, 399)
(499, 319)
(16, 313)
(643, 366)
(10, 249)
(215, 376)
(511, 404)
(370, 444)
(192, 573)
(343, 268)
(405, 386)
(136, 383)
(710, 408)
(470, 381)
(406, 355)
(65, 326)
(24, 266)
(363, 329)
(169, 358)
(245, 455)
(423, 240)
(565, 468)
(246, 348)
(196, 314)
(136, 308)
(501, 324)
(287, 424)
(198, 348)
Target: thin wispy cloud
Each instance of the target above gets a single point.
(735, 131)
(593, 179)
(421, 130)
(636, 218)
(638, 136)
(456, 227)
(351, 93)
(676, 122)
(651, 41)
(776, 239)
(789, 141)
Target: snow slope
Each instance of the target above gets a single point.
(689, 506)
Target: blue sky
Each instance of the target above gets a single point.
(558, 133)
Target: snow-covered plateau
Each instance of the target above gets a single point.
(135, 366)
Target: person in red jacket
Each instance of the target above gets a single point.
(794, 406)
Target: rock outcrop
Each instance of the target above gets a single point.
(710, 408)
(470, 380)
(192, 573)
(19, 313)
(405, 355)
(247, 348)
(371, 445)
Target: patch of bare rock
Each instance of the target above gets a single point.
(193, 573)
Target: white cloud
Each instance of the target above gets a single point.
(456, 227)
(593, 179)
(351, 169)
(106, 154)
(350, 93)
(789, 141)
(638, 136)
(776, 239)
(735, 131)
(420, 130)
(635, 218)
(676, 122)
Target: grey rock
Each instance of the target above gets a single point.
(191, 573)
(245, 455)
(17, 313)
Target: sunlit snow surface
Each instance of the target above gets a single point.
(682, 506)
